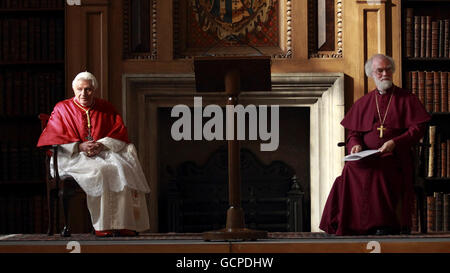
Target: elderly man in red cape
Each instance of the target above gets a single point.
(95, 150)
(374, 195)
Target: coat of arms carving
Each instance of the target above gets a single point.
(231, 17)
(232, 27)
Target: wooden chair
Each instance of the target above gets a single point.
(60, 189)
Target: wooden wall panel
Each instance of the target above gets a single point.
(375, 29)
(97, 47)
(87, 43)
(74, 46)
(139, 29)
(373, 32)
(363, 28)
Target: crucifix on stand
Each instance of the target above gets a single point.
(233, 75)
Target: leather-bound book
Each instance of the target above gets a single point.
(409, 33)
(434, 39)
(416, 36)
(421, 86)
(444, 91)
(429, 91)
(436, 91)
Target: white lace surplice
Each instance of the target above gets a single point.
(114, 168)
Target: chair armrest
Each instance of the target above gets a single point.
(425, 145)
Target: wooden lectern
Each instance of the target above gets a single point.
(218, 74)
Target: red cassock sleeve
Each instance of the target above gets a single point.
(68, 124)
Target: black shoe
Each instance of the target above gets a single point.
(382, 232)
(405, 231)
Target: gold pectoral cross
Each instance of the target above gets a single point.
(381, 128)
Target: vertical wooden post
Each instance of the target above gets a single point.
(235, 214)
(235, 224)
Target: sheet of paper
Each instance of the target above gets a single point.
(360, 155)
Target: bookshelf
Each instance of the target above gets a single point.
(426, 71)
(32, 80)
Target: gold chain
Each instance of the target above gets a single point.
(387, 109)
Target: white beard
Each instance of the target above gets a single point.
(383, 85)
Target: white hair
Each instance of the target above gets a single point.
(368, 65)
(85, 76)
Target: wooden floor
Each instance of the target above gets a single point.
(193, 243)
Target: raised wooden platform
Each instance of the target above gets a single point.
(193, 243)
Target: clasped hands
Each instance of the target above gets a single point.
(387, 147)
(91, 148)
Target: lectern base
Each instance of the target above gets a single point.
(226, 234)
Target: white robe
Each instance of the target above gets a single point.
(114, 183)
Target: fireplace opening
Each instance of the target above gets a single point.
(275, 187)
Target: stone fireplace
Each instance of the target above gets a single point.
(146, 96)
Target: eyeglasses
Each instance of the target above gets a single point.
(380, 71)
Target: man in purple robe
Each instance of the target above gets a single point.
(374, 195)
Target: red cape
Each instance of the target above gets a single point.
(68, 123)
(405, 110)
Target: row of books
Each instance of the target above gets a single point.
(30, 92)
(432, 88)
(436, 155)
(23, 214)
(29, 39)
(426, 37)
(19, 4)
(436, 214)
(21, 162)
